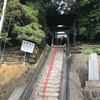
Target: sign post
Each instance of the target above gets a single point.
(27, 47)
(24, 58)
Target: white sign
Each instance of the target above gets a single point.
(93, 68)
(27, 46)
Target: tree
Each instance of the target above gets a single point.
(87, 21)
(51, 8)
(24, 23)
(41, 12)
(1, 24)
(28, 28)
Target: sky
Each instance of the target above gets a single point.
(62, 6)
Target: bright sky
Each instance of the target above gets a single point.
(62, 6)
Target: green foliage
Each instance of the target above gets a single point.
(3, 38)
(88, 17)
(3, 34)
(51, 8)
(24, 22)
(88, 52)
(31, 30)
(1, 6)
(69, 1)
(41, 12)
(98, 51)
(82, 30)
(28, 12)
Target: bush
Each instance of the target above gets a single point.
(98, 51)
(88, 52)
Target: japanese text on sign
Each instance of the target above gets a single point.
(27, 46)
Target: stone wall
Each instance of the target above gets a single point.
(77, 76)
(8, 88)
(79, 87)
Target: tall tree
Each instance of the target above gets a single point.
(24, 23)
(88, 17)
(1, 23)
(41, 12)
(29, 27)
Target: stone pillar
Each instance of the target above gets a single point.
(92, 88)
(93, 68)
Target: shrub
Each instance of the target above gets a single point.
(88, 52)
(98, 51)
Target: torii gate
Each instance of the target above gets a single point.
(67, 20)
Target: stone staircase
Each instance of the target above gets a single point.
(53, 85)
(92, 90)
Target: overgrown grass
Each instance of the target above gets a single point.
(87, 52)
(89, 48)
(15, 51)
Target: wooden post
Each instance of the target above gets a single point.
(68, 40)
(74, 33)
(24, 58)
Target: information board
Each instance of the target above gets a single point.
(27, 46)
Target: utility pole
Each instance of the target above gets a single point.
(2, 16)
(1, 22)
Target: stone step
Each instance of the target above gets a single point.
(55, 62)
(47, 94)
(51, 74)
(41, 98)
(49, 81)
(59, 58)
(55, 68)
(52, 71)
(51, 77)
(45, 72)
(92, 88)
(48, 89)
(58, 65)
(93, 83)
(49, 85)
